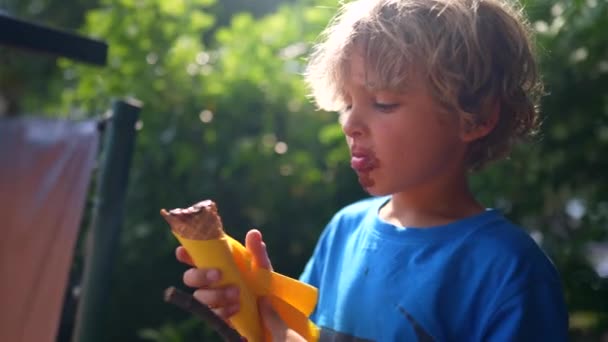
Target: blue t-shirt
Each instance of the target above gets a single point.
(477, 279)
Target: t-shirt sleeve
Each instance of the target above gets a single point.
(534, 314)
(313, 271)
(310, 275)
(314, 267)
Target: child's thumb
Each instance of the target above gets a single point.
(271, 320)
(256, 246)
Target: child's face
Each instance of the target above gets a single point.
(399, 142)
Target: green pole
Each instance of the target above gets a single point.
(108, 212)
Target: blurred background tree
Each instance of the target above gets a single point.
(226, 117)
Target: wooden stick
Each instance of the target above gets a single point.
(186, 302)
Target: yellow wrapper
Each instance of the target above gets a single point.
(292, 300)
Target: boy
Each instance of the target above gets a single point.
(428, 90)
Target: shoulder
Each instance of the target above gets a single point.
(508, 251)
(505, 235)
(358, 210)
(330, 247)
(350, 217)
(502, 237)
(523, 290)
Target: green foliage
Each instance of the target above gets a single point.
(184, 331)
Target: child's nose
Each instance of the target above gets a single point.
(352, 125)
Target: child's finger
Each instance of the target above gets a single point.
(275, 325)
(225, 298)
(182, 256)
(226, 312)
(256, 246)
(201, 278)
(272, 321)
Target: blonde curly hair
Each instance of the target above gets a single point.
(475, 54)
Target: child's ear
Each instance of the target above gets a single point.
(471, 129)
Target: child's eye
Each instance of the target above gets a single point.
(386, 107)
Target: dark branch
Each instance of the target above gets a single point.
(186, 302)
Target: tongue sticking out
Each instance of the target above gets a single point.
(359, 163)
(363, 165)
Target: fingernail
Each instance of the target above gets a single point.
(213, 275)
(232, 293)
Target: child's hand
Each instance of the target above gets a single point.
(273, 323)
(223, 301)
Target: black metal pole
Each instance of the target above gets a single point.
(40, 38)
(107, 219)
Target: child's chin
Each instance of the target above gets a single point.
(374, 190)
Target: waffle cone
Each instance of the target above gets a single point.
(198, 222)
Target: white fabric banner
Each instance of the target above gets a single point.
(45, 170)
